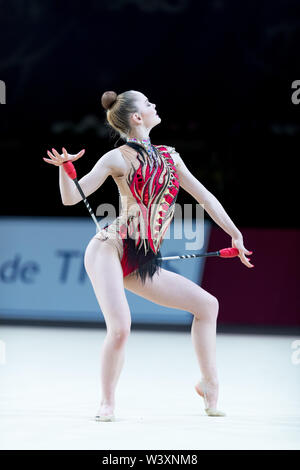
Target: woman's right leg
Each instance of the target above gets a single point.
(104, 269)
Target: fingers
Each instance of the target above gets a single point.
(54, 155)
(55, 152)
(245, 260)
(248, 259)
(57, 155)
(52, 159)
(65, 153)
(57, 159)
(78, 155)
(238, 243)
(49, 161)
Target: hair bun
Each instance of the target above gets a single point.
(108, 99)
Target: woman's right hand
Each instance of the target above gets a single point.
(57, 159)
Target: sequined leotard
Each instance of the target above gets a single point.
(148, 191)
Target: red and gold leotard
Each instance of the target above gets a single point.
(148, 193)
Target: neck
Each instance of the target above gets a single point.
(143, 141)
(146, 144)
(139, 134)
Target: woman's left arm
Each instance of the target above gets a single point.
(212, 206)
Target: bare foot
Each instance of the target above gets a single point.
(105, 412)
(211, 393)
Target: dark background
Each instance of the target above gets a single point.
(220, 73)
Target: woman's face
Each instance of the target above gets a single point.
(148, 115)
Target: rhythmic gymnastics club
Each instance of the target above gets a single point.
(71, 171)
(224, 253)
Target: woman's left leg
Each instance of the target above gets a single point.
(175, 291)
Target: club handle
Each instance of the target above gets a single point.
(229, 252)
(70, 170)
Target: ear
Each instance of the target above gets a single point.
(135, 117)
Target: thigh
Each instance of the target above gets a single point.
(173, 290)
(112, 237)
(104, 269)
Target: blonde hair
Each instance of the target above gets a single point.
(118, 110)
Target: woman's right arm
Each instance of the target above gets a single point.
(88, 183)
(110, 163)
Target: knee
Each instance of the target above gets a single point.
(210, 310)
(215, 307)
(119, 335)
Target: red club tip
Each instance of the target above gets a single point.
(70, 170)
(229, 252)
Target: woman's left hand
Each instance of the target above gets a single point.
(239, 244)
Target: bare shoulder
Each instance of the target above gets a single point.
(115, 161)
